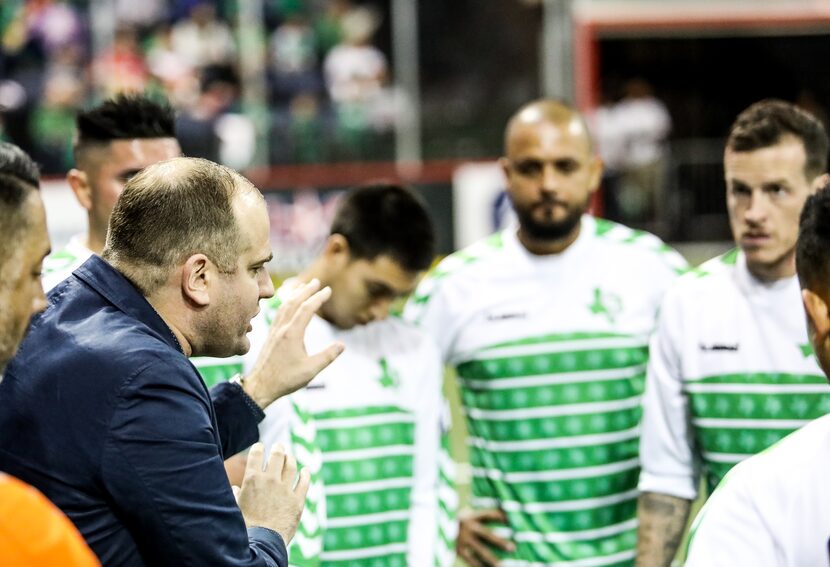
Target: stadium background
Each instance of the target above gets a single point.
(452, 73)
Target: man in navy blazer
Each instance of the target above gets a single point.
(103, 412)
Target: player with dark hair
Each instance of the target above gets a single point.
(32, 530)
(730, 370)
(23, 245)
(772, 508)
(369, 425)
(114, 141)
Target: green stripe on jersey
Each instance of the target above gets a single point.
(735, 416)
(368, 456)
(216, 373)
(554, 428)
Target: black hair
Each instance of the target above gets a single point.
(16, 163)
(386, 219)
(19, 177)
(125, 116)
(812, 252)
(764, 123)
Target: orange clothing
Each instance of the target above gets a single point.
(34, 533)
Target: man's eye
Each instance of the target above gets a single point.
(530, 168)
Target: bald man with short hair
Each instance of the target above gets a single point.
(546, 324)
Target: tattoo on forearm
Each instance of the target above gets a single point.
(662, 521)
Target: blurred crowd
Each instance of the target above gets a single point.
(328, 95)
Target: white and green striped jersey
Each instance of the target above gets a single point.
(770, 510)
(58, 265)
(550, 353)
(377, 415)
(731, 372)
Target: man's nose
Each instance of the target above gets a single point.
(550, 180)
(757, 210)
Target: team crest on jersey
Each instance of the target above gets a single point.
(389, 378)
(606, 304)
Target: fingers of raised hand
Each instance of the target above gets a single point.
(302, 484)
(297, 297)
(255, 456)
(302, 316)
(276, 460)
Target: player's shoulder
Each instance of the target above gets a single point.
(790, 456)
(403, 334)
(471, 258)
(459, 269)
(634, 245)
(710, 276)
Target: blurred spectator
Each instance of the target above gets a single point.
(209, 130)
(53, 121)
(121, 67)
(142, 15)
(176, 76)
(356, 72)
(632, 139)
(54, 25)
(203, 39)
(329, 24)
(293, 55)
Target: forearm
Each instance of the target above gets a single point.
(662, 521)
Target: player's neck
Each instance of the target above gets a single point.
(546, 247)
(314, 270)
(95, 243)
(781, 269)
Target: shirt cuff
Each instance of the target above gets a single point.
(678, 486)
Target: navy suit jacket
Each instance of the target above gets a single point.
(103, 413)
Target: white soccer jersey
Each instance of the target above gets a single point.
(731, 372)
(551, 354)
(375, 416)
(58, 265)
(772, 509)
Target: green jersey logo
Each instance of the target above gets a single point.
(806, 349)
(388, 378)
(607, 304)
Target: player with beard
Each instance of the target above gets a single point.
(547, 324)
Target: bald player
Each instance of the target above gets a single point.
(546, 324)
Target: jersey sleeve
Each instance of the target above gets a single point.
(448, 503)
(730, 529)
(669, 464)
(423, 525)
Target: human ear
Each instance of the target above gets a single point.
(337, 248)
(198, 274)
(79, 183)
(819, 182)
(818, 319)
